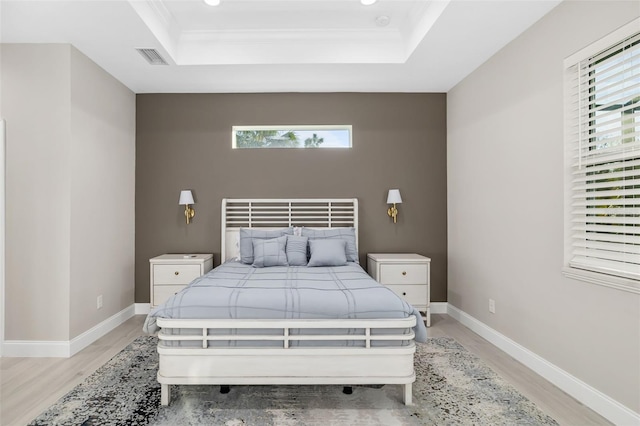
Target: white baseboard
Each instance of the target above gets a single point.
(80, 342)
(586, 394)
(142, 308)
(64, 349)
(438, 307)
(36, 349)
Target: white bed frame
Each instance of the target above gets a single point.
(286, 364)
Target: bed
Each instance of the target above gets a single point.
(242, 324)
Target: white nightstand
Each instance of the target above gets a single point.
(170, 273)
(407, 274)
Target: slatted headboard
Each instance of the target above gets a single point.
(281, 213)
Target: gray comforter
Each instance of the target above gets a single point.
(238, 291)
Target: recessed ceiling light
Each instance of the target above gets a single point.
(212, 2)
(368, 2)
(382, 20)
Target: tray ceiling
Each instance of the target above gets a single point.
(276, 46)
(288, 32)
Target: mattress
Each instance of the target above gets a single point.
(237, 291)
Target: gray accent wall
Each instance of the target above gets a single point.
(183, 141)
(506, 207)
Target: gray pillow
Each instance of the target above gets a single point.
(269, 252)
(296, 250)
(248, 234)
(347, 234)
(328, 252)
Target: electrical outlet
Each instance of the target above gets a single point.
(99, 302)
(492, 306)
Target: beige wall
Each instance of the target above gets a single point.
(505, 207)
(70, 186)
(102, 158)
(184, 141)
(36, 106)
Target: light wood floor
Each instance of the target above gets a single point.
(29, 385)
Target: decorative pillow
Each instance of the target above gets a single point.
(296, 250)
(328, 252)
(269, 252)
(248, 234)
(347, 234)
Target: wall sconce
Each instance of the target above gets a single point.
(186, 198)
(393, 198)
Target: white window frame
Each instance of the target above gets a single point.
(585, 269)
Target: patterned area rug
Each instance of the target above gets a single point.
(453, 387)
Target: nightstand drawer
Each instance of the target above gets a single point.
(416, 295)
(175, 274)
(162, 292)
(403, 273)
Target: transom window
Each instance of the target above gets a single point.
(322, 136)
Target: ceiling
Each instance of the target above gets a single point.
(278, 45)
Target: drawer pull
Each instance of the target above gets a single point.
(177, 273)
(404, 272)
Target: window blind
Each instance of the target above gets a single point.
(603, 142)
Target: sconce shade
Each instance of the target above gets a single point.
(394, 197)
(186, 197)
